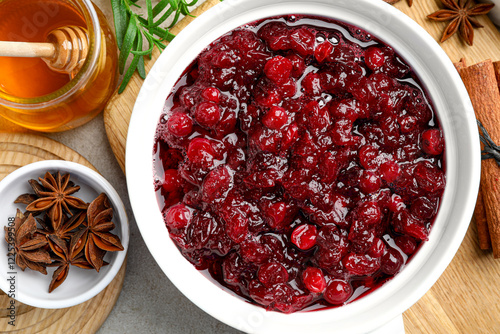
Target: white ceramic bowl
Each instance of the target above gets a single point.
(462, 160)
(32, 287)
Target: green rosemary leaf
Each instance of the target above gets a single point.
(120, 15)
(130, 71)
(132, 30)
(128, 40)
(149, 7)
(174, 4)
(176, 18)
(164, 17)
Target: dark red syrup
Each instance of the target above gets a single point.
(299, 161)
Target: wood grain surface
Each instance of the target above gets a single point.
(466, 299)
(16, 150)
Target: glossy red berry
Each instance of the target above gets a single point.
(390, 171)
(272, 273)
(200, 151)
(275, 118)
(180, 125)
(171, 180)
(178, 216)
(392, 261)
(407, 244)
(278, 69)
(338, 292)
(432, 142)
(304, 236)
(276, 213)
(207, 114)
(314, 280)
(369, 182)
(322, 51)
(374, 58)
(211, 94)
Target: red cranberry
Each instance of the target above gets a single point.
(276, 213)
(302, 41)
(338, 292)
(272, 273)
(370, 213)
(216, 183)
(349, 108)
(278, 69)
(211, 94)
(392, 261)
(178, 216)
(390, 171)
(312, 84)
(304, 236)
(368, 156)
(377, 249)
(429, 177)
(275, 118)
(298, 64)
(323, 51)
(200, 151)
(253, 251)
(361, 265)
(407, 244)
(423, 208)
(259, 293)
(374, 58)
(314, 280)
(407, 124)
(396, 203)
(207, 114)
(171, 180)
(432, 142)
(369, 182)
(180, 125)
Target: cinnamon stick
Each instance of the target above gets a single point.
(483, 233)
(481, 83)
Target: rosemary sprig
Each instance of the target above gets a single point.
(132, 29)
(491, 150)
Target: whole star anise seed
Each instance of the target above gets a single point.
(28, 244)
(99, 239)
(55, 197)
(460, 14)
(68, 253)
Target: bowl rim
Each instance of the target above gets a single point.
(120, 219)
(163, 74)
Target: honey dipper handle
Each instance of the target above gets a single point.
(24, 49)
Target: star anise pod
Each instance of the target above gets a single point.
(460, 14)
(55, 197)
(99, 239)
(67, 254)
(65, 229)
(28, 244)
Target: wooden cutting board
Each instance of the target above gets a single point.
(16, 150)
(466, 299)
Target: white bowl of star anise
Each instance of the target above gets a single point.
(65, 234)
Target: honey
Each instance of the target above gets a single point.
(36, 97)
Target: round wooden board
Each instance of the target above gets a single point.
(16, 150)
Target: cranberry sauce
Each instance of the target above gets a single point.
(299, 161)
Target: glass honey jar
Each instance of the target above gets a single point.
(36, 97)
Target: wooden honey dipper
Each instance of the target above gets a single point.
(59, 52)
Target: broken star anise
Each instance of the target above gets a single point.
(460, 14)
(67, 255)
(98, 238)
(28, 245)
(54, 196)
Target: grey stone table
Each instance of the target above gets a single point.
(149, 302)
